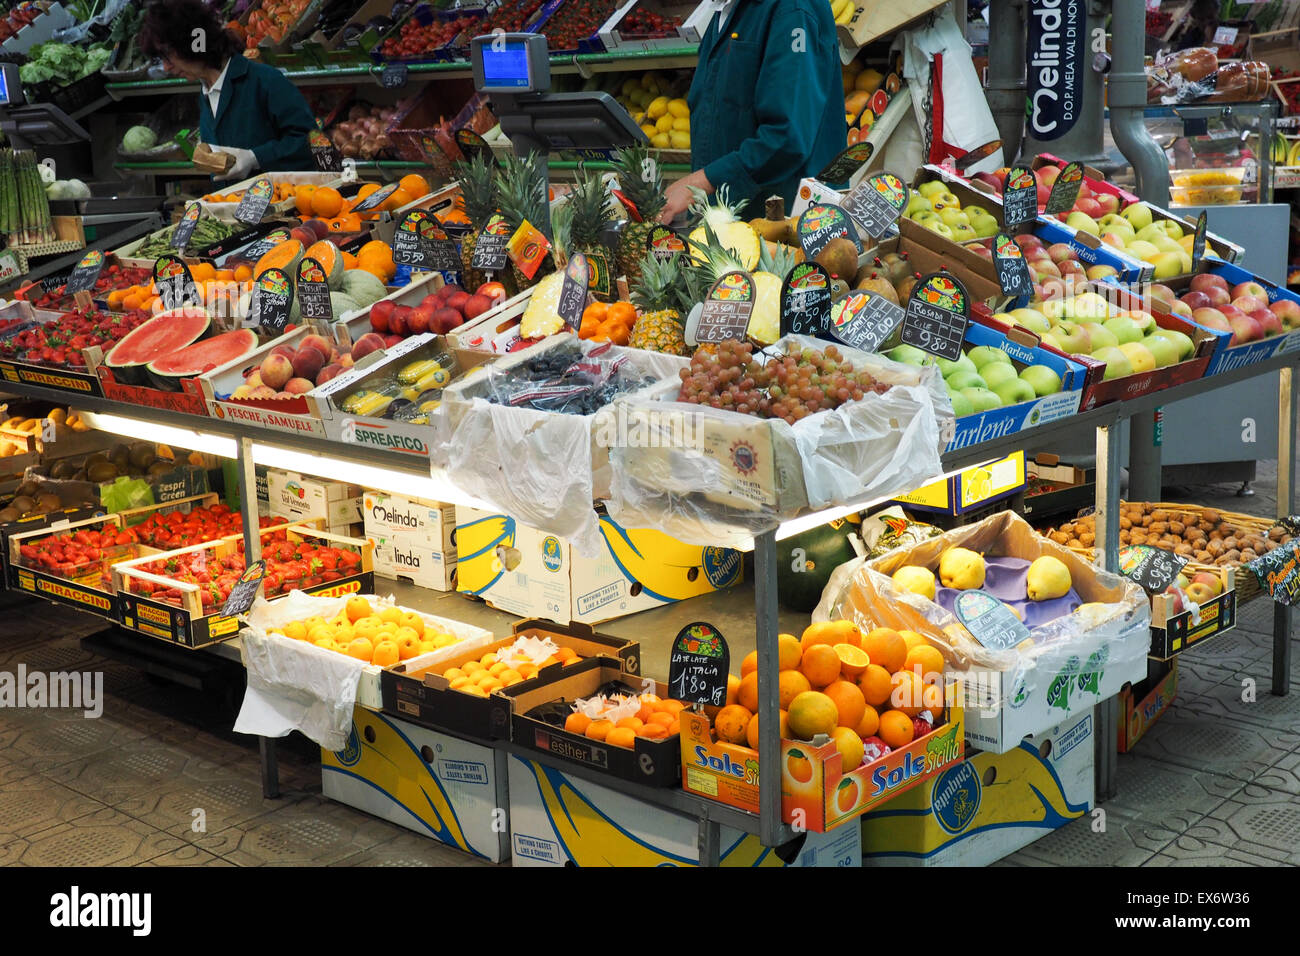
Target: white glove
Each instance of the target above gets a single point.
(245, 164)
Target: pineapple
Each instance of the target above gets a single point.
(662, 296)
(523, 196)
(713, 260)
(722, 217)
(478, 186)
(638, 176)
(541, 315)
(590, 201)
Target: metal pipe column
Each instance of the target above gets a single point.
(1005, 90)
(1284, 616)
(1127, 95)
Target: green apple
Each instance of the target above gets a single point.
(982, 399)
(1111, 222)
(944, 200)
(1139, 356)
(1014, 391)
(1151, 232)
(1165, 244)
(1138, 215)
(917, 203)
(948, 366)
(1088, 307)
(1043, 380)
(1100, 272)
(937, 225)
(1082, 222)
(1099, 337)
(995, 373)
(1073, 338)
(1182, 342)
(953, 216)
(984, 226)
(1124, 329)
(963, 233)
(1163, 350)
(961, 405)
(1030, 319)
(964, 379)
(910, 355)
(1117, 363)
(1053, 339)
(932, 187)
(1145, 321)
(973, 211)
(982, 355)
(1054, 309)
(1141, 249)
(1172, 229)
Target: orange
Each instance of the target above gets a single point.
(326, 202)
(613, 331)
(361, 649)
(391, 615)
(798, 766)
(849, 702)
(386, 654)
(595, 313)
(653, 732)
(295, 630)
(906, 693)
(733, 688)
(812, 713)
(869, 724)
(327, 643)
(749, 664)
(831, 632)
(820, 664)
(621, 737)
(243, 273)
(751, 732)
(472, 667)
(357, 608)
(414, 622)
(577, 723)
(932, 700)
(460, 683)
(203, 271)
(731, 723)
(849, 744)
(885, 647)
(365, 190)
(790, 651)
(675, 727)
(599, 729)
(924, 660)
(415, 184)
(747, 695)
(623, 313)
(476, 691)
(566, 654)
(896, 728)
(635, 723)
(790, 684)
(875, 685)
(846, 794)
(451, 673)
(660, 718)
(675, 707)
(911, 638)
(853, 660)
(302, 198)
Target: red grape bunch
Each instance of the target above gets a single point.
(792, 386)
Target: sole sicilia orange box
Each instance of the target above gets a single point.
(815, 793)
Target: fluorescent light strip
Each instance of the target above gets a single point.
(137, 428)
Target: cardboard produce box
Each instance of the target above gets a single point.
(89, 587)
(400, 559)
(970, 488)
(295, 496)
(1142, 704)
(1175, 626)
(420, 521)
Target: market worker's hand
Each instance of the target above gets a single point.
(245, 164)
(678, 196)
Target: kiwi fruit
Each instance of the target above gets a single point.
(101, 471)
(9, 514)
(120, 456)
(839, 258)
(63, 468)
(47, 502)
(79, 474)
(142, 455)
(29, 488)
(159, 468)
(98, 458)
(23, 504)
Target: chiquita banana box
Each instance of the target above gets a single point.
(527, 572)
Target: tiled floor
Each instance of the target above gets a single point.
(1215, 783)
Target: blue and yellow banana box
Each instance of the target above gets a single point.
(988, 805)
(557, 819)
(439, 786)
(523, 571)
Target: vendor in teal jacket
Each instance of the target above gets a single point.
(767, 102)
(247, 109)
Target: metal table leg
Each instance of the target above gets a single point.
(769, 710)
(270, 768)
(1106, 713)
(1283, 616)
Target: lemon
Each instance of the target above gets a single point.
(649, 130)
(679, 140)
(679, 108)
(660, 140)
(658, 108)
(682, 124)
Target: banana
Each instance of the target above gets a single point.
(423, 369)
(843, 11)
(1293, 158)
(478, 565)
(367, 402)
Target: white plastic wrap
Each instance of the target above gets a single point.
(713, 477)
(546, 469)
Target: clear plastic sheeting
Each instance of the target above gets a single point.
(714, 477)
(543, 468)
(1112, 630)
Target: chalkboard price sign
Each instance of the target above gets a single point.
(1278, 572)
(175, 284)
(699, 664)
(313, 292)
(1012, 270)
(439, 251)
(272, 301)
(185, 228)
(376, 198)
(663, 243)
(573, 291)
(86, 273)
(472, 144)
(1151, 567)
(408, 246)
(257, 197)
(989, 621)
(323, 152)
(725, 313)
(244, 593)
(1019, 197)
(843, 166)
(862, 320)
(876, 203)
(1198, 240)
(806, 300)
(490, 252)
(937, 315)
(820, 224)
(1065, 191)
(394, 76)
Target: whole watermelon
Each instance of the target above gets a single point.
(804, 563)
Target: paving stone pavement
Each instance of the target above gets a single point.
(1215, 783)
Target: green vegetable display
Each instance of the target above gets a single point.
(206, 231)
(138, 139)
(63, 64)
(24, 208)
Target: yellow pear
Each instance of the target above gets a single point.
(1048, 578)
(961, 569)
(917, 580)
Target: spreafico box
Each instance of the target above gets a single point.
(437, 785)
(524, 571)
(989, 805)
(559, 819)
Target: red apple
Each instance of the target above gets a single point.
(1046, 175)
(1249, 303)
(444, 320)
(1089, 207)
(1060, 251)
(1244, 329)
(1209, 579)
(399, 324)
(1204, 281)
(1209, 318)
(1109, 204)
(1288, 312)
(1028, 241)
(1250, 288)
(1197, 300)
(477, 304)
(447, 290)
(493, 290)
(1268, 322)
(1219, 296)
(1178, 307)
(381, 314)
(457, 301)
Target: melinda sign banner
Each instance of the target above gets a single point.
(1054, 81)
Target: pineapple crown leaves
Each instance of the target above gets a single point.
(523, 189)
(561, 232)
(663, 285)
(478, 184)
(591, 203)
(719, 203)
(776, 258)
(640, 180)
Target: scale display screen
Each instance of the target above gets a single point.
(4, 87)
(510, 63)
(505, 66)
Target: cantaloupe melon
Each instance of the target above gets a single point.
(284, 256)
(330, 259)
(363, 287)
(341, 303)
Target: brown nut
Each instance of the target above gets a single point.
(1177, 527)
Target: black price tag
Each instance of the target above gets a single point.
(1151, 567)
(86, 273)
(264, 245)
(57, 281)
(376, 198)
(876, 203)
(272, 301)
(990, 621)
(663, 243)
(1278, 572)
(863, 320)
(1013, 271)
(472, 144)
(185, 228)
(175, 285)
(698, 665)
(314, 292)
(843, 166)
(1065, 191)
(725, 313)
(394, 76)
(244, 593)
(440, 252)
(327, 158)
(820, 224)
(408, 247)
(937, 314)
(257, 197)
(1198, 240)
(490, 253)
(1019, 197)
(573, 290)
(806, 300)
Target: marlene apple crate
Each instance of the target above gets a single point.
(1069, 663)
(1092, 251)
(931, 182)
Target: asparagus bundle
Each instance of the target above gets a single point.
(24, 208)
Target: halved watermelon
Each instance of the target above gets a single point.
(167, 372)
(165, 333)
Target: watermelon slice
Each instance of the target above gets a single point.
(167, 372)
(165, 333)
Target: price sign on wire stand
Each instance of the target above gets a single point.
(86, 273)
(876, 203)
(806, 300)
(324, 153)
(1009, 263)
(937, 315)
(820, 224)
(843, 166)
(1065, 191)
(272, 301)
(725, 313)
(440, 252)
(257, 197)
(185, 228)
(1151, 567)
(699, 664)
(862, 320)
(175, 285)
(490, 251)
(408, 246)
(1019, 197)
(1198, 241)
(573, 291)
(244, 593)
(1278, 572)
(314, 293)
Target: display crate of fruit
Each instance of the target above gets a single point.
(292, 632)
(497, 329)
(1087, 631)
(72, 563)
(1094, 179)
(115, 275)
(423, 693)
(714, 476)
(646, 25)
(36, 503)
(540, 405)
(212, 237)
(223, 203)
(429, 35)
(574, 26)
(1141, 705)
(177, 595)
(387, 404)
